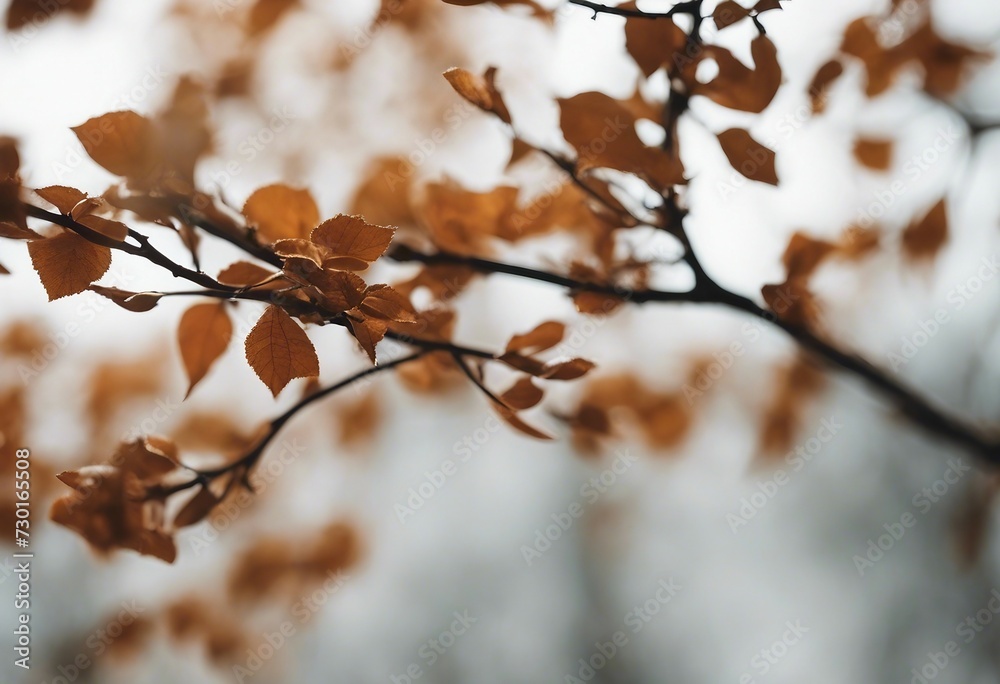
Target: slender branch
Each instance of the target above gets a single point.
(478, 383)
(144, 249)
(406, 253)
(597, 8)
(917, 409)
(248, 460)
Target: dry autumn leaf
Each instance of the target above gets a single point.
(479, 90)
(353, 238)
(203, 335)
(543, 336)
(602, 130)
(927, 235)
(137, 302)
(124, 143)
(62, 197)
(748, 156)
(873, 153)
(279, 212)
(67, 263)
(279, 350)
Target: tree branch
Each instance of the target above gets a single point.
(918, 410)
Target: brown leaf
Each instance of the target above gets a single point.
(114, 230)
(62, 197)
(124, 143)
(338, 291)
(515, 422)
(203, 335)
(279, 350)
(67, 263)
(602, 130)
(353, 237)
(543, 336)
(875, 154)
(479, 90)
(279, 212)
(383, 197)
(926, 236)
(367, 331)
(197, 508)
(737, 86)
(820, 86)
(567, 370)
(522, 395)
(21, 13)
(729, 13)
(804, 254)
(15, 232)
(132, 301)
(385, 303)
(265, 14)
(248, 274)
(653, 43)
(748, 156)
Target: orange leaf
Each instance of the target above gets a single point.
(367, 331)
(602, 130)
(383, 302)
(281, 212)
(67, 263)
(132, 301)
(737, 86)
(247, 274)
(338, 290)
(748, 156)
(653, 43)
(197, 508)
(479, 90)
(544, 336)
(62, 197)
(567, 370)
(352, 236)
(279, 350)
(924, 237)
(729, 13)
(203, 335)
(824, 78)
(515, 422)
(124, 143)
(522, 395)
(875, 154)
(115, 230)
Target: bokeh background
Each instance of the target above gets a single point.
(777, 599)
